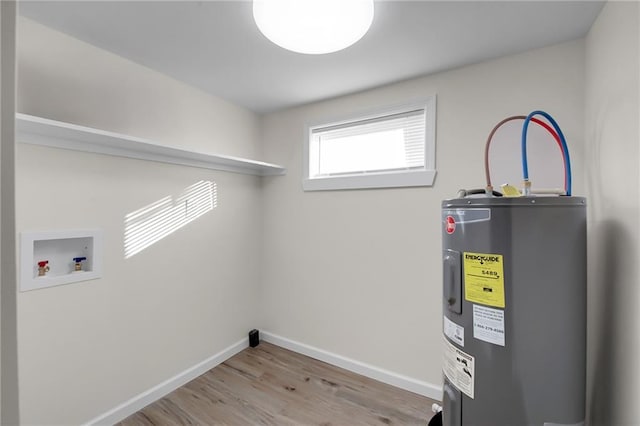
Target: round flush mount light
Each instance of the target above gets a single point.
(313, 26)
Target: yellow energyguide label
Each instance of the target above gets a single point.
(484, 279)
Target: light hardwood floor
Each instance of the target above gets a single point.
(269, 385)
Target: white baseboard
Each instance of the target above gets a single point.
(403, 382)
(140, 401)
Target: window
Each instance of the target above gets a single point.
(394, 147)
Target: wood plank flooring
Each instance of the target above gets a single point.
(269, 385)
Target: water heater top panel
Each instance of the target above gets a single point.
(513, 201)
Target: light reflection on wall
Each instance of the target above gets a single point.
(150, 224)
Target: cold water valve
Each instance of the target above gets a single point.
(78, 266)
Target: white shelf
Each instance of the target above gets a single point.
(59, 248)
(41, 131)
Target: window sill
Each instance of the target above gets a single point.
(368, 181)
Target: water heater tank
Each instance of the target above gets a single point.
(514, 311)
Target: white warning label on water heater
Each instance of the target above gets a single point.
(459, 368)
(488, 324)
(454, 331)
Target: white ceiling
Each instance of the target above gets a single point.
(215, 46)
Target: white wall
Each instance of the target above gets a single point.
(85, 348)
(358, 273)
(612, 138)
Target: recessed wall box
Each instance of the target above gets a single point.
(59, 248)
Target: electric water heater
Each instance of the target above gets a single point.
(514, 287)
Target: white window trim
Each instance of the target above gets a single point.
(424, 176)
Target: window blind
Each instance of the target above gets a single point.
(390, 142)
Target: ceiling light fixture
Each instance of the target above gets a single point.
(313, 26)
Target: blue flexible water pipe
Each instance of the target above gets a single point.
(565, 150)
